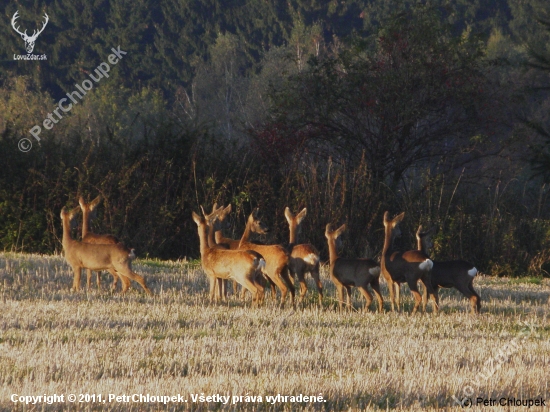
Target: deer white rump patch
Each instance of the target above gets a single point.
(426, 265)
(472, 272)
(312, 259)
(132, 254)
(375, 271)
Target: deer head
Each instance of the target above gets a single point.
(29, 40)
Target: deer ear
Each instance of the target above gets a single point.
(397, 219)
(340, 230)
(419, 231)
(214, 207)
(204, 213)
(255, 212)
(301, 216)
(386, 216)
(81, 202)
(73, 212)
(196, 218)
(288, 215)
(328, 230)
(93, 204)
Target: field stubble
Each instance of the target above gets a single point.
(53, 340)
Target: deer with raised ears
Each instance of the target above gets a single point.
(348, 273)
(304, 258)
(88, 213)
(458, 274)
(211, 220)
(114, 258)
(399, 267)
(239, 265)
(276, 258)
(218, 230)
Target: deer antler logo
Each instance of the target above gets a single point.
(29, 40)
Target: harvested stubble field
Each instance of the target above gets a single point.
(57, 341)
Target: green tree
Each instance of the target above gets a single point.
(410, 94)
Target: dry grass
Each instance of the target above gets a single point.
(56, 341)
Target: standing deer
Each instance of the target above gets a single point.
(114, 258)
(276, 258)
(457, 274)
(346, 273)
(410, 267)
(220, 223)
(239, 265)
(211, 220)
(304, 258)
(88, 213)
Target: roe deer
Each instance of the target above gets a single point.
(88, 212)
(239, 265)
(211, 220)
(346, 273)
(276, 258)
(114, 258)
(457, 274)
(410, 267)
(304, 258)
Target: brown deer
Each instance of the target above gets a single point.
(211, 220)
(88, 213)
(276, 258)
(399, 267)
(457, 274)
(220, 223)
(304, 258)
(114, 258)
(228, 264)
(347, 273)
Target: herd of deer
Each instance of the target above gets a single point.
(254, 265)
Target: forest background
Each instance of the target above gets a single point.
(439, 109)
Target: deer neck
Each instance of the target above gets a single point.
(332, 251)
(211, 239)
(66, 233)
(246, 235)
(85, 222)
(420, 244)
(203, 233)
(292, 242)
(388, 241)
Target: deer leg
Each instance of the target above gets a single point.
(392, 294)
(303, 285)
(476, 303)
(285, 275)
(135, 277)
(76, 280)
(340, 291)
(315, 275)
(375, 284)
(368, 297)
(98, 280)
(397, 287)
(432, 292)
(413, 286)
(88, 278)
(469, 294)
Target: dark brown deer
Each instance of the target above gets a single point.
(348, 273)
(304, 258)
(457, 274)
(400, 267)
